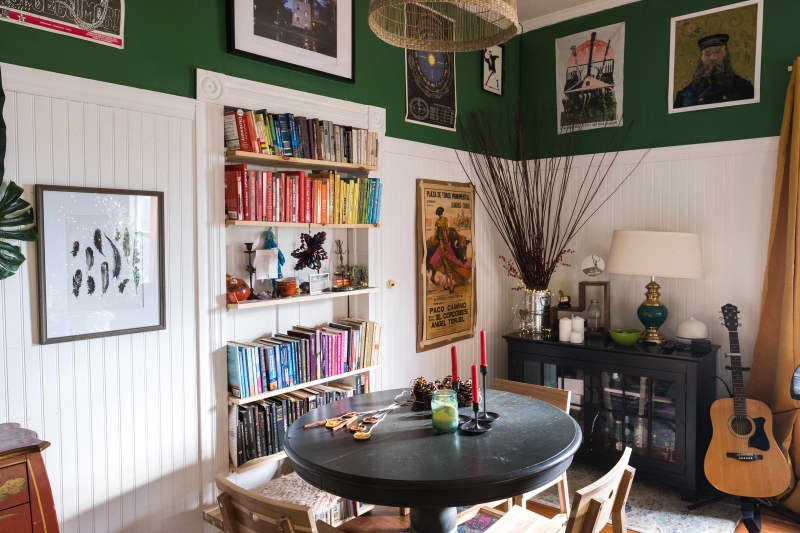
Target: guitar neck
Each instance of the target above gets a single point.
(739, 403)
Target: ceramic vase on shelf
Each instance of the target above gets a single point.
(535, 312)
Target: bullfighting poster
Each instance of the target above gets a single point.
(99, 21)
(715, 57)
(430, 76)
(446, 296)
(589, 79)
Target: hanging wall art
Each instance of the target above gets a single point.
(431, 80)
(446, 295)
(313, 35)
(100, 21)
(715, 58)
(101, 262)
(492, 69)
(589, 79)
(16, 214)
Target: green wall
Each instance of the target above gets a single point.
(166, 40)
(647, 39)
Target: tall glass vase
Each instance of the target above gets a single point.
(534, 313)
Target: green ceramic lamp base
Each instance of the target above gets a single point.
(652, 313)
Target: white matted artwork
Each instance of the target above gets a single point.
(590, 79)
(492, 73)
(310, 34)
(101, 262)
(715, 57)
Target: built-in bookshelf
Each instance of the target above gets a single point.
(281, 161)
(258, 397)
(255, 304)
(302, 225)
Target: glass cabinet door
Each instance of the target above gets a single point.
(636, 411)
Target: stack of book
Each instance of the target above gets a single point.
(318, 198)
(259, 429)
(309, 138)
(301, 355)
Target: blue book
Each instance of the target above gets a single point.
(273, 376)
(293, 133)
(371, 209)
(286, 135)
(234, 372)
(245, 377)
(379, 200)
(285, 365)
(276, 122)
(262, 363)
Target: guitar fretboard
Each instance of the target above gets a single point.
(739, 403)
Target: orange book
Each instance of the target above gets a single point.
(324, 201)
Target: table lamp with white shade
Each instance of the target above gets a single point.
(656, 254)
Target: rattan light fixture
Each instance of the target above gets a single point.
(450, 26)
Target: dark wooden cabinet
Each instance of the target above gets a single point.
(641, 396)
(26, 502)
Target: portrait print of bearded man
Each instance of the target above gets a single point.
(714, 80)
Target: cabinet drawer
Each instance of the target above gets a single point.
(16, 519)
(13, 486)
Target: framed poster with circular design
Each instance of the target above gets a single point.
(430, 79)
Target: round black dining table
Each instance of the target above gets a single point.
(406, 464)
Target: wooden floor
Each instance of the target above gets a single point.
(387, 520)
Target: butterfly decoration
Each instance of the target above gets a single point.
(310, 254)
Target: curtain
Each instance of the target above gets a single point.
(777, 349)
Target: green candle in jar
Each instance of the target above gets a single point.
(444, 408)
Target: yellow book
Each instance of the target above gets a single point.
(337, 195)
(356, 200)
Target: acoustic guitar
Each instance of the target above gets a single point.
(743, 458)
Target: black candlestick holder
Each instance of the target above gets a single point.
(251, 269)
(487, 417)
(474, 425)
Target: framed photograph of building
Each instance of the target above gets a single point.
(715, 57)
(492, 69)
(313, 35)
(446, 295)
(101, 262)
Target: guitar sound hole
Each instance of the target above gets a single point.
(741, 425)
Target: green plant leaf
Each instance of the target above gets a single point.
(16, 214)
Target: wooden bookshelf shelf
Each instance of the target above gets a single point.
(261, 224)
(258, 397)
(252, 158)
(254, 304)
(258, 461)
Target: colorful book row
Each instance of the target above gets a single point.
(317, 198)
(301, 355)
(309, 138)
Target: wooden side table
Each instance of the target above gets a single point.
(26, 501)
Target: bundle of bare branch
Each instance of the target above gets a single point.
(529, 199)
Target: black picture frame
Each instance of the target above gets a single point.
(231, 48)
(42, 216)
(502, 71)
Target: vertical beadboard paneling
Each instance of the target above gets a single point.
(723, 192)
(120, 412)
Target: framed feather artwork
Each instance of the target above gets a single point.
(100, 262)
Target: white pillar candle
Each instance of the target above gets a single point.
(576, 337)
(564, 329)
(578, 324)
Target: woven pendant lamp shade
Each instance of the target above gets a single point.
(423, 25)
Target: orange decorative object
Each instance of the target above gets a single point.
(287, 287)
(238, 291)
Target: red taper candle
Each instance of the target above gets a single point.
(474, 384)
(483, 348)
(454, 362)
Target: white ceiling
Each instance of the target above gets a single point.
(530, 9)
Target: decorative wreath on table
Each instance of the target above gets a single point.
(422, 390)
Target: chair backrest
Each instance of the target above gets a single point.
(594, 503)
(245, 511)
(557, 397)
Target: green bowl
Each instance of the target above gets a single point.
(625, 337)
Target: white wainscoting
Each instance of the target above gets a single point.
(121, 412)
(722, 191)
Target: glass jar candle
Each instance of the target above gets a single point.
(444, 408)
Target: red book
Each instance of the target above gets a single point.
(259, 195)
(245, 195)
(241, 130)
(252, 194)
(231, 198)
(251, 132)
(309, 202)
(285, 217)
(268, 196)
(301, 198)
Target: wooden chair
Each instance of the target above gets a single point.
(590, 511)
(244, 511)
(557, 398)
